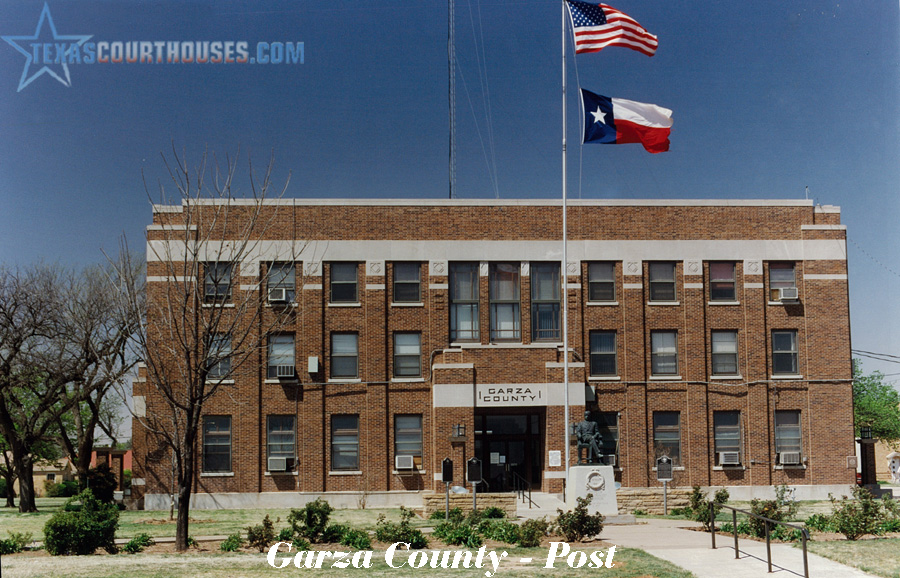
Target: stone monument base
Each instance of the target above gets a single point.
(600, 481)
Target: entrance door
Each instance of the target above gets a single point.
(509, 445)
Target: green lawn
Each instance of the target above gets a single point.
(878, 556)
(627, 564)
(204, 522)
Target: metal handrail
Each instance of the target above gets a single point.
(804, 533)
(521, 486)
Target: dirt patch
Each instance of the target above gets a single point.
(162, 522)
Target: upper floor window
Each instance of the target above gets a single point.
(217, 443)
(344, 283)
(344, 355)
(601, 282)
(545, 302)
(503, 282)
(667, 435)
(603, 353)
(408, 438)
(464, 302)
(727, 437)
(217, 281)
(345, 442)
(407, 355)
(280, 438)
(724, 353)
(218, 357)
(280, 280)
(782, 281)
(662, 281)
(407, 283)
(664, 353)
(784, 351)
(721, 282)
(281, 356)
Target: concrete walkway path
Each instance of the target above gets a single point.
(672, 540)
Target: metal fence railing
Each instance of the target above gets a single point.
(804, 533)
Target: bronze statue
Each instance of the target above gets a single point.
(587, 433)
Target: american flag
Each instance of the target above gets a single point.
(598, 26)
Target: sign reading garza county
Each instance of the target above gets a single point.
(398, 555)
(525, 394)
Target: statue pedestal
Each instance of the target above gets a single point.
(593, 479)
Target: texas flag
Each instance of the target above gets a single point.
(619, 121)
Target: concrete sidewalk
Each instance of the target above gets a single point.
(691, 550)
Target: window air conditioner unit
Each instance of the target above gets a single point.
(278, 295)
(284, 371)
(788, 294)
(729, 458)
(403, 462)
(278, 464)
(610, 460)
(789, 458)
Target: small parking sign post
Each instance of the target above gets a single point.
(664, 475)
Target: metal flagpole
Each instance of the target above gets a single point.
(565, 275)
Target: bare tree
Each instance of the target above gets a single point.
(56, 329)
(204, 316)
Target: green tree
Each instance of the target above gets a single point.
(876, 404)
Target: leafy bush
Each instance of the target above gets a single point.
(16, 542)
(262, 535)
(390, 532)
(494, 513)
(138, 543)
(686, 512)
(456, 515)
(531, 532)
(232, 543)
(640, 512)
(857, 516)
(286, 535)
(819, 523)
(192, 543)
(3, 488)
(64, 489)
(93, 526)
(102, 482)
(743, 527)
(311, 521)
(356, 539)
(335, 533)
(458, 534)
(700, 506)
(499, 530)
(578, 524)
(888, 526)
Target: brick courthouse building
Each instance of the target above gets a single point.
(715, 332)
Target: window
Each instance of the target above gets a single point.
(727, 436)
(504, 296)
(281, 356)
(464, 302)
(408, 438)
(282, 276)
(781, 276)
(407, 283)
(345, 442)
(602, 282)
(724, 353)
(603, 353)
(217, 443)
(721, 282)
(609, 429)
(664, 353)
(280, 436)
(51, 477)
(407, 355)
(784, 352)
(662, 281)
(343, 283)
(787, 435)
(218, 360)
(667, 435)
(217, 281)
(344, 355)
(545, 302)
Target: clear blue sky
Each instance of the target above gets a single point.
(768, 97)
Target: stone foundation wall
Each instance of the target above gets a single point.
(438, 502)
(650, 500)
